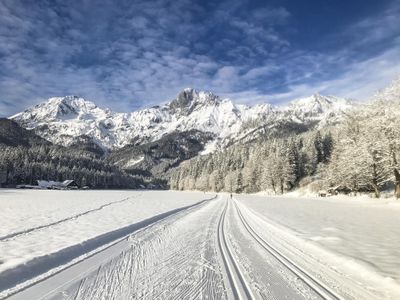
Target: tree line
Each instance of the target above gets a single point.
(26, 165)
(276, 164)
(361, 154)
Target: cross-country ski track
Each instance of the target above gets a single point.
(216, 248)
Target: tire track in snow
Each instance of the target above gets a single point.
(317, 286)
(26, 231)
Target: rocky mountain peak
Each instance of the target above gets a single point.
(63, 120)
(71, 104)
(319, 103)
(190, 98)
(184, 99)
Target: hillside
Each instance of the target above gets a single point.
(359, 153)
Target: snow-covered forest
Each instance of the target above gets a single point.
(317, 143)
(23, 165)
(360, 154)
(26, 158)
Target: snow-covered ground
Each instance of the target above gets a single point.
(363, 234)
(35, 223)
(193, 245)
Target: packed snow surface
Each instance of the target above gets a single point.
(188, 245)
(39, 222)
(364, 230)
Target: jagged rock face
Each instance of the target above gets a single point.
(189, 100)
(183, 100)
(298, 116)
(66, 120)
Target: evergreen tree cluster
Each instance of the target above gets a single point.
(26, 165)
(276, 164)
(26, 158)
(360, 154)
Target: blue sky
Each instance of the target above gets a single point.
(132, 54)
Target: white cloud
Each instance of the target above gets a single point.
(360, 81)
(144, 52)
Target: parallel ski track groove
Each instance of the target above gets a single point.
(227, 257)
(165, 216)
(29, 230)
(317, 286)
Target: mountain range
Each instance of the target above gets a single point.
(148, 142)
(71, 137)
(64, 120)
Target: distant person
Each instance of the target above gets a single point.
(231, 196)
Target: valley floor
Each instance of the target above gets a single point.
(193, 245)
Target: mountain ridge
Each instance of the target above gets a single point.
(62, 120)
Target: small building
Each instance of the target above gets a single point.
(340, 189)
(44, 184)
(57, 185)
(70, 184)
(26, 186)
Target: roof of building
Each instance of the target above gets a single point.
(68, 182)
(51, 183)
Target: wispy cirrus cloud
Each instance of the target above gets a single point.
(132, 54)
(361, 60)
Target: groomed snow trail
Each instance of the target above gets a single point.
(238, 287)
(308, 286)
(251, 272)
(174, 258)
(320, 271)
(214, 249)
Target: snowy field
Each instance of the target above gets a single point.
(364, 232)
(193, 245)
(36, 223)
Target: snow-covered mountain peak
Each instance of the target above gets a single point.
(56, 108)
(64, 119)
(73, 101)
(318, 104)
(71, 105)
(190, 99)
